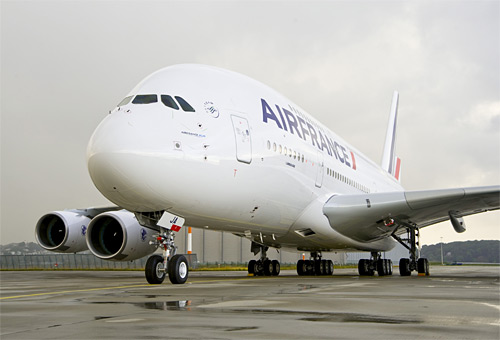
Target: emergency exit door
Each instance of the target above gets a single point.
(242, 138)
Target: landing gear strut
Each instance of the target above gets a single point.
(415, 262)
(375, 264)
(158, 266)
(264, 266)
(315, 266)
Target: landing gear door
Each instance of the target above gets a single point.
(243, 140)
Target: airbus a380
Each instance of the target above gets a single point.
(202, 146)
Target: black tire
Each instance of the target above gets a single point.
(389, 266)
(329, 265)
(324, 267)
(404, 267)
(381, 267)
(318, 267)
(301, 270)
(276, 268)
(178, 269)
(423, 266)
(251, 267)
(309, 265)
(155, 274)
(363, 267)
(268, 267)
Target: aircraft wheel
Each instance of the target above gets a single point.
(301, 270)
(178, 269)
(381, 267)
(404, 267)
(251, 267)
(423, 266)
(155, 270)
(318, 267)
(389, 263)
(276, 267)
(308, 268)
(364, 268)
(329, 266)
(324, 267)
(268, 267)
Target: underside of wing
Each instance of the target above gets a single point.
(368, 217)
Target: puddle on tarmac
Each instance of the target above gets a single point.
(167, 305)
(186, 305)
(180, 305)
(330, 317)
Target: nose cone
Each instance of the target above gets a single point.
(117, 159)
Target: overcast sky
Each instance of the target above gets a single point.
(64, 64)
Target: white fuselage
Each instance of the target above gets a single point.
(247, 160)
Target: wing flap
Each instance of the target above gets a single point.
(368, 217)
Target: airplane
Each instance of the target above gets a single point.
(202, 146)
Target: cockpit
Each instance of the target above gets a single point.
(175, 102)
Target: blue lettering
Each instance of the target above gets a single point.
(337, 146)
(267, 112)
(323, 143)
(346, 157)
(330, 144)
(304, 131)
(292, 123)
(281, 116)
(314, 136)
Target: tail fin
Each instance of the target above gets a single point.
(390, 162)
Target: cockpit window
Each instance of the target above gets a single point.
(184, 104)
(169, 101)
(125, 101)
(145, 99)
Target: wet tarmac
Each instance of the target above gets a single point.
(455, 302)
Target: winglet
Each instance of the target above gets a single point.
(390, 163)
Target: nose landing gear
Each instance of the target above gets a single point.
(175, 265)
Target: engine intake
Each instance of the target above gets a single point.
(117, 235)
(62, 231)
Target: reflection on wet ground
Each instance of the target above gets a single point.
(228, 307)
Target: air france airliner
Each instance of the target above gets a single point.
(198, 146)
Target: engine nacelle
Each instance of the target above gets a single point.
(116, 235)
(62, 231)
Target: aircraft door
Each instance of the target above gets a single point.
(243, 140)
(320, 171)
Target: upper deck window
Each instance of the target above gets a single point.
(169, 101)
(145, 99)
(184, 104)
(125, 101)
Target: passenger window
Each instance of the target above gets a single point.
(169, 101)
(145, 99)
(184, 104)
(125, 101)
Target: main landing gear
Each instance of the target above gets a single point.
(376, 264)
(415, 262)
(315, 265)
(264, 266)
(158, 266)
(406, 265)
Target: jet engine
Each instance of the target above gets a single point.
(62, 231)
(116, 235)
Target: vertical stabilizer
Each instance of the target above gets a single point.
(390, 162)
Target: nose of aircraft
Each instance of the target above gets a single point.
(117, 157)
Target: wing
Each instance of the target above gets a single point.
(368, 217)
